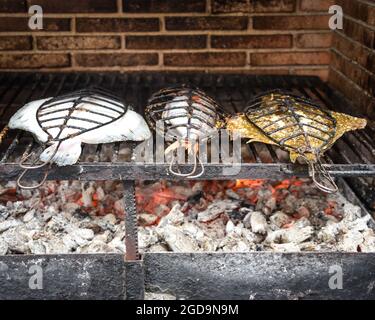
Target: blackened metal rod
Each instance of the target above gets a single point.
(131, 228)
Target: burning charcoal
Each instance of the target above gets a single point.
(229, 228)
(82, 236)
(351, 241)
(56, 246)
(69, 242)
(216, 208)
(177, 241)
(329, 232)
(57, 223)
(174, 217)
(303, 212)
(4, 212)
(293, 234)
(117, 245)
(232, 194)
(28, 216)
(146, 238)
(5, 225)
(147, 219)
(159, 247)
(269, 206)
(258, 223)
(247, 219)
(368, 244)
(251, 237)
(289, 204)
(16, 241)
(37, 247)
(96, 247)
(3, 247)
(158, 296)
(285, 247)
(280, 219)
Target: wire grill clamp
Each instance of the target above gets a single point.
(184, 115)
(294, 123)
(56, 117)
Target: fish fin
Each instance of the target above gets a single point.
(68, 152)
(345, 123)
(246, 129)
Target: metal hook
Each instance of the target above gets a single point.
(189, 175)
(33, 167)
(22, 186)
(321, 177)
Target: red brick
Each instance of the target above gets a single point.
(228, 6)
(15, 43)
(58, 6)
(117, 24)
(290, 58)
(206, 23)
(206, 59)
(359, 33)
(291, 22)
(353, 72)
(166, 42)
(322, 73)
(316, 5)
(12, 6)
(116, 59)
(358, 10)
(251, 41)
(78, 42)
(314, 40)
(168, 6)
(355, 51)
(13, 24)
(33, 61)
(358, 97)
(272, 6)
(253, 6)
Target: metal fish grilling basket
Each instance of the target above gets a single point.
(184, 115)
(297, 125)
(68, 116)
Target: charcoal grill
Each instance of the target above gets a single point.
(352, 158)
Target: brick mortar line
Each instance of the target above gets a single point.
(344, 36)
(360, 22)
(369, 3)
(342, 55)
(351, 82)
(203, 50)
(254, 32)
(168, 68)
(164, 14)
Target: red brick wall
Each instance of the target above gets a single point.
(353, 56)
(257, 36)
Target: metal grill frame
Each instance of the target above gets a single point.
(351, 156)
(256, 109)
(159, 100)
(77, 98)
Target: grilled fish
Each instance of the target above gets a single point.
(295, 124)
(88, 116)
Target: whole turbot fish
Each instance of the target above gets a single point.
(298, 126)
(295, 124)
(63, 123)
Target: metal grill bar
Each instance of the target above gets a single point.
(353, 155)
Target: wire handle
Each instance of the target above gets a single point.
(191, 175)
(321, 177)
(33, 166)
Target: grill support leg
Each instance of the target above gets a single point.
(134, 277)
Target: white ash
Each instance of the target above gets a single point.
(54, 220)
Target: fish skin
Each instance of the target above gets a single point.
(130, 126)
(246, 129)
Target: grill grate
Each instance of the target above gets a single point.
(352, 156)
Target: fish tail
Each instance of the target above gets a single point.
(63, 153)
